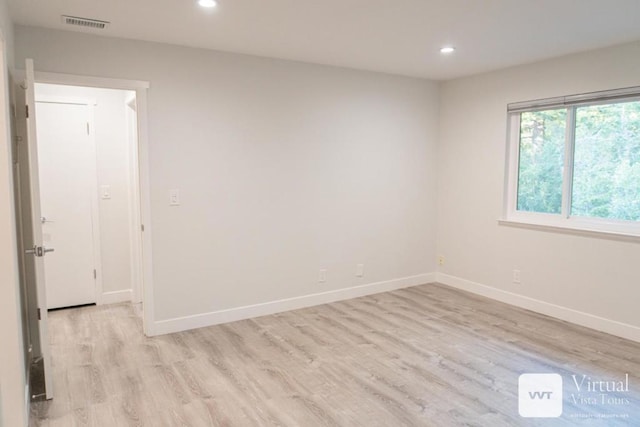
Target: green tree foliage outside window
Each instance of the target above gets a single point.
(542, 138)
(606, 172)
(606, 161)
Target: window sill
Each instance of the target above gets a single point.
(568, 229)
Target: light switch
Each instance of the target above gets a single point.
(174, 198)
(105, 191)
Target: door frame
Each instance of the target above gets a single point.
(141, 226)
(89, 104)
(134, 208)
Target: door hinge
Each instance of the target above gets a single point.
(87, 128)
(95, 274)
(142, 227)
(39, 316)
(26, 109)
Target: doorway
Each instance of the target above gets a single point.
(131, 97)
(88, 195)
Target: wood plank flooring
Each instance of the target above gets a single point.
(428, 355)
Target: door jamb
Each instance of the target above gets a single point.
(134, 196)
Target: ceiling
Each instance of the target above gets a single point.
(392, 36)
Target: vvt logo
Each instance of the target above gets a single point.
(540, 395)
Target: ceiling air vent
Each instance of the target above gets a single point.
(84, 22)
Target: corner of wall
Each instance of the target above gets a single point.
(7, 30)
(587, 320)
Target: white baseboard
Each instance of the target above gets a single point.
(264, 309)
(609, 326)
(115, 297)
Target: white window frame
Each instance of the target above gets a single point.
(563, 222)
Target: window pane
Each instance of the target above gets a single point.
(606, 173)
(542, 136)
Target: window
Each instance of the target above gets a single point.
(574, 162)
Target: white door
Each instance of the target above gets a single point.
(36, 246)
(67, 192)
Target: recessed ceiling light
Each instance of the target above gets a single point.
(447, 49)
(208, 3)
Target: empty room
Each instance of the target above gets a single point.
(305, 213)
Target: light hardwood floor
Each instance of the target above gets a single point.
(428, 355)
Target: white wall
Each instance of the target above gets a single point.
(283, 168)
(12, 370)
(112, 167)
(591, 275)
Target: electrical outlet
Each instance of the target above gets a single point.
(516, 276)
(359, 270)
(322, 276)
(440, 259)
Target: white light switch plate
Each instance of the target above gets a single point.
(174, 198)
(105, 192)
